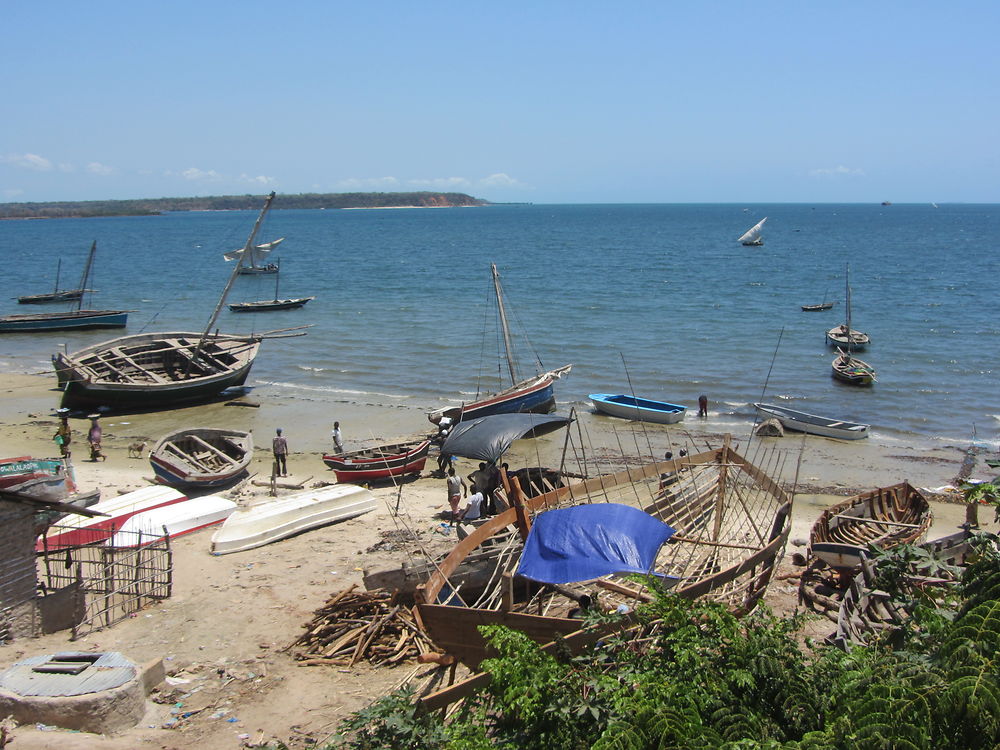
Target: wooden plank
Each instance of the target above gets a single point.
(213, 449)
(157, 378)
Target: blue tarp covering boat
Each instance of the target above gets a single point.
(585, 542)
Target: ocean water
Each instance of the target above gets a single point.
(659, 300)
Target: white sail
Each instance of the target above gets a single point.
(752, 236)
(257, 254)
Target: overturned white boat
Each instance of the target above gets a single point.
(270, 521)
(172, 521)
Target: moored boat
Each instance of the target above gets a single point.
(800, 421)
(79, 530)
(271, 304)
(201, 457)
(817, 308)
(844, 335)
(728, 525)
(638, 409)
(380, 461)
(172, 521)
(270, 521)
(884, 517)
(851, 370)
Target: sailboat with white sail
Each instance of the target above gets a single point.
(254, 258)
(534, 394)
(752, 237)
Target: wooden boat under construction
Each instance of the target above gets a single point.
(730, 523)
(884, 517)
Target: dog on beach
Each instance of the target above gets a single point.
(136, 449)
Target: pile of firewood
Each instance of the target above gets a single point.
(353, 626)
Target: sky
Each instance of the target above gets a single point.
(542, 102)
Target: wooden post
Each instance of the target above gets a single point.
(507, 592)
(274, 478)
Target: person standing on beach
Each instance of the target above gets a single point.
(279, 446)
(338, 445)
(703, 405)
(456, 488)
(94, 438)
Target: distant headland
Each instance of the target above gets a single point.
(153, 206)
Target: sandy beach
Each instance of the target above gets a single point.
(223, 632)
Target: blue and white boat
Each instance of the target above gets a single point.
(638, 409)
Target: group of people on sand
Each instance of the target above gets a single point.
(64, 436)
(484, 482)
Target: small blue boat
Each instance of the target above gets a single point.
(639, 409)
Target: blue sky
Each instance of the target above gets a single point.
(547, 102)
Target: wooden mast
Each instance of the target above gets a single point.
(503, 322)
(86, 275)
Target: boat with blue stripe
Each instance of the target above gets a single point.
(638, 409)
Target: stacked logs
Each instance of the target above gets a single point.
(367, 625)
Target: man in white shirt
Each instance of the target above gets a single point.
(474, 510)
(337, 444)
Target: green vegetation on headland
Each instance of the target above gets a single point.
(153, 206)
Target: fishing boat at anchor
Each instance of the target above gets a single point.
(57, 294)
(844, 335)
(152, 370)
(75, 319)
(271, 304)
(533, 394)
(379, 462)
(715, 528)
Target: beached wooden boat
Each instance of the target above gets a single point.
(270, 521)
(884, 517)
(153, 370)
(851, 370)
(535, 394)
(202, 457)
(818, 308)
(752, 237)
(800, 421)
(79, 530)
(638, 409)
(380, 461)
(730, 522)
(69, 320)
(172, 521)
(866, 611)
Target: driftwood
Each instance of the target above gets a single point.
(361, 625)
(284, 485)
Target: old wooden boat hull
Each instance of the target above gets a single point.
(172, 521)
(202, 457)
(885, 517)
(66, 295)
(638, 409)
(852, 370)
(857, 341)
(152, 370)
(800, 421)
(536, 395)
(268, 305)
(271, 521)
(379, 462)
(63, 321)
(732, 523)
(79, 530)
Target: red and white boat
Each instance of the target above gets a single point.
(76, 531)
(379, 462)
(172, 521)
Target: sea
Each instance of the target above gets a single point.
(660, 301)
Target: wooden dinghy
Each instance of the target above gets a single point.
(172, 521)
(800, 421)
(202, 457)
(817, 308)
(731, 524)
(76, 531)
(268, 522)
(884, 517)
(379, 462)
(638, 409)
(866, 611)
(851, 370)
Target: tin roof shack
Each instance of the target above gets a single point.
(23, 611)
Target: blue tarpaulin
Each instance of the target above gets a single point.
(584, 542)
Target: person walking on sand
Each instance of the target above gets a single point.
(94, 438)
(456, 488)
(279, 446)
(338, 445)
(64, 435)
